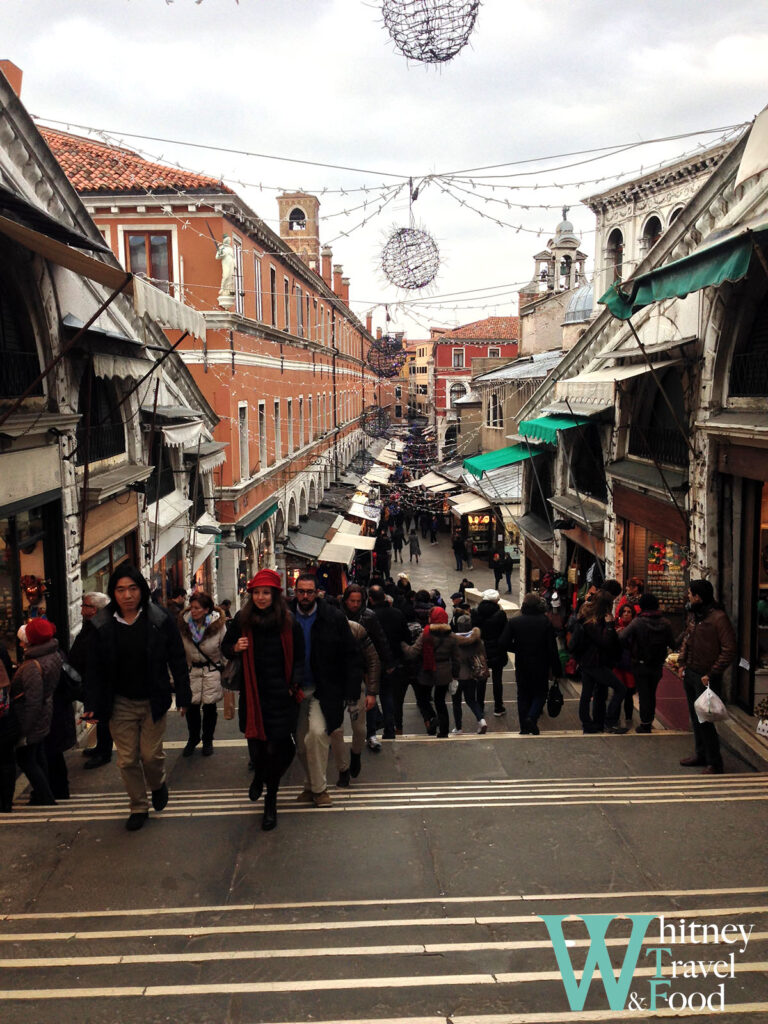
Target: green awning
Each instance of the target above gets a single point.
(726, 258)
(545, 428)
(270, 511)
(480, 464)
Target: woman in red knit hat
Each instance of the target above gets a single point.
(266, 636)
(37, 677)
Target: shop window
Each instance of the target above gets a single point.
(148, 253)
(749, 366)
(97, 570)
(587, 462)
(654, 434)
(19, 363)
(662, 565)
(106, 436)
(163, 480)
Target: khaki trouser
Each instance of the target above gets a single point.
(139, 746)
(358, 722)
(312, 743)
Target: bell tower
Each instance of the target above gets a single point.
(300, 225)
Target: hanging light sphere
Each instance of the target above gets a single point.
(410, 258)
(430, 31)
(386, 356)
(375, 421)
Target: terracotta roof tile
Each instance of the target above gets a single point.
(95, 167)
(493, 328)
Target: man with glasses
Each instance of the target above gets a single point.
(93, 602)
(134, 647)
(332, 672)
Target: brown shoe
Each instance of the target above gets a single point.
(322, 799)
(692, 762)
(711, 770)
(305, 797)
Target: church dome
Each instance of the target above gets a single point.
(580, 306)
(565, 231)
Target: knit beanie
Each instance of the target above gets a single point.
(491, 595)
(39, 631)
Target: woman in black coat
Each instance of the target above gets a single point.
(269, 640)
(531, 636)
(491, 620)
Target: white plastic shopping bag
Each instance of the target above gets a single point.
(709, 707)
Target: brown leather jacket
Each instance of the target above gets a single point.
(709, 644)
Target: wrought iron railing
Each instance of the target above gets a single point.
(749, 374)
(659, 444)
(17, 371)
(104, 441)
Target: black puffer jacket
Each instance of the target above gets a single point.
(491, 621)
(165, 652)
(279, 709)
(532, 639)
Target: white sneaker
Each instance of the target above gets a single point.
(374, 743)
(457, 732)
(482, 727)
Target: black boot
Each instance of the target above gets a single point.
(7, 787)
(193, 728)
(209, 727)
(269, 821)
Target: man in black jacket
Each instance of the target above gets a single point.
(393, 683)
(332, 672)
(532, 639)
(353, 606)
(133, 646)
(648, 636)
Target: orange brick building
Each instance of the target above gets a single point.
(284, 362)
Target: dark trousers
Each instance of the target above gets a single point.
(387, 687)
(7, 777)
(422, 694)
(497, 574)
(595, 684)
(271, 759)
(704, 733)
(207, 720)
(58, 777)
(432, 535)
(647, 678)
(104, 741)
(508, 576)
(424, 697)
(441, 692)
(498, 688)
(31, 760)
(459, 563)
(397, 554)
(467, 691)
(531, 698)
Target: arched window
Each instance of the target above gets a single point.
(106, 436)
(297, 220)
(19, 364)
(749, 366)
(457, 391)
(675, 214)
(651, 233)
(615, 254)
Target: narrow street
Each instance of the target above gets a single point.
(415, 897)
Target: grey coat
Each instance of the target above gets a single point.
(37, 677)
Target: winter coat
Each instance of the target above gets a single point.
(595, 644)
(37, 677)
(397, 539)
(335, 662)
(372, 626)
(532, 639)
(279, 709)
(414, 548)
(395, 628)
(371, 662)
(165, 652)
(647, 638)
(204, 679)
(458, 547)
(446, 662)
(709, 643)
(491, 621)
(468, 646)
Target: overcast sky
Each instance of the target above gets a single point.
(320, 81)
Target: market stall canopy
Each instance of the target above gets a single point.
(442, 488)
(208, 455)
(18, 210)
(503, 484)
(338, 553)
(165, 310)
(428, 480)
(364, 512)
(347, 526)
(545, 428)
(596, 389)
(723, 256)
(480, 464)
(472, 503)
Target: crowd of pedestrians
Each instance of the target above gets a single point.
(301, 666)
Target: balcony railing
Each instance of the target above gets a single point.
(17, 371)
(105, 440)
(749, 374)
(659, 444)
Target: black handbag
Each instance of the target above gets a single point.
(232, 674)
(554, 699)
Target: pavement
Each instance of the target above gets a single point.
(416, 897)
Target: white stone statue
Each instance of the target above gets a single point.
(226, 254)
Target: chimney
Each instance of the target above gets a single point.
(13, 74)
(327, 255)
(369, 322)
(345, 289)
(337, 286)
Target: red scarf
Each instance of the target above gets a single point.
(428, 662)
(254, 721)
